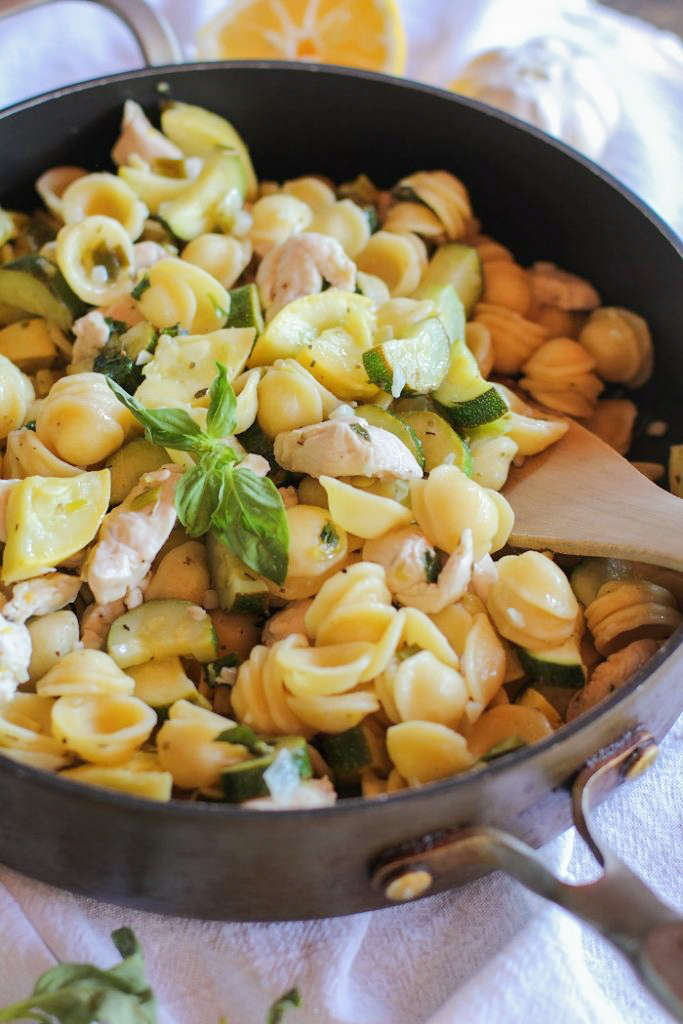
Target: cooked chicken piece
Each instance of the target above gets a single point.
(554, 287)
(139, 136)
(287, 622)
(92, 334)
(484, 575)
(298, 267)
(410, 563)
(96, 621)
(289, 496)
(146, 254)
(15, 655)
(312, 793)
(609, 675)
(42, 595)
(124, 310)
(132, 535)
(256, 463)
(345, 447)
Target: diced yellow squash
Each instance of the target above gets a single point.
(51, 518)
(183, 367)
(152, 785)
(30, 345)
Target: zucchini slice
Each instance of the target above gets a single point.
(37, 286)
(439, 440)
(460, 266)
(239, 589)
(378, 417)
(195, 210)
(141, 337)
(160, 629)
(245, 308)
(129, 463)
(417, 362)
(448, 306)
(470, 400)
(557, 666)
(349, 753)
(198, 131)
(245, 780)
(590, 574)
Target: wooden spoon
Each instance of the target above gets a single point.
(579, 497)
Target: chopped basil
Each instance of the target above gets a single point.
(328, 535)
(361, 432)
(143, 284)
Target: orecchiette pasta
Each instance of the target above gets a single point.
(532, 603)
(302, 554)
(81, 421)
(105, 195)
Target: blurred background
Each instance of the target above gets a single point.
(597, 76)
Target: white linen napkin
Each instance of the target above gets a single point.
(489, 952)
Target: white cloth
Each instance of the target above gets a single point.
(489, 952)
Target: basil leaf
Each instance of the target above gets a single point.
(197, 497)
(80, 993)
(251, 521)
(170, 428)
(143, 284)
(289, 1000)
(221, 418)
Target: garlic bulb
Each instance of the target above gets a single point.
(551, 84)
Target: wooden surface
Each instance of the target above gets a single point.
(664, 13)
(579, 497)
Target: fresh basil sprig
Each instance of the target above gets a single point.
(245, 510)
(80, 993)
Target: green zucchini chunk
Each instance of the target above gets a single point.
(245, 308)
(396, 425)
(239, 589)
(37, 286)
(159, 629)
(558, 666)
(439, 440)
(470, 400)
(417, 362)
(129, 463)
(448, 306)
(349, 753)
(246, 780)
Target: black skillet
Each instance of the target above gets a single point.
(215, 861)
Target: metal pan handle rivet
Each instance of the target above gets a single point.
(408, 885)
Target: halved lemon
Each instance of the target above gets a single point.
(356, 33)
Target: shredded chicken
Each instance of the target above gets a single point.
(609, 675)
(96, 621)
(298, 267)
(146, 254)
(289, 496)
(132, 535)
(408, 560)
(92, 334)
(124, 310)
(554, 287)
(41, 595)
(15, 655)
(256, 463)
(285, 623)
(345, 447)
(139, 136)
(309, 794)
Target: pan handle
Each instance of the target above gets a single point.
(618, 905)
(152, 31)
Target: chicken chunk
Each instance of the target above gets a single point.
(96, 621)
(298, 267)
(92, 334)
(609, 675)
(312, 793)
(285, 623)
(41, 596)
(140, 137)
(132, 535)
(410, 562)
(484, 575)
(345, 447)
(146, 254)
(256, 463)
(15, 656)
(554, 287)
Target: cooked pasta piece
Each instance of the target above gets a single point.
(532, 603)
(478, 341)
(84, 672)
(514, 338)
(613, 421)
(507, 722)
(426, 751)
(104, 195)
(490, 251)
(507, 284)
(620, 343)
(445, 195)
(631, 610)
(288, 399)
(222, 256)
(26, 455)
(25, 725)
(416, 218)
(102, 728)
(345, 222)
(395, 259)
(95, 255)
(52, 184)
(275, 218)
(187, 747)
(421, 688)
(82, 422)
(52, 637)
(310, 190)
(16, 395)
(559, 375)
(178, 293)
(554, 287)
(491, 459)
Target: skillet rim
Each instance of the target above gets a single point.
(673, 644)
